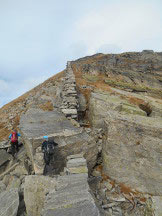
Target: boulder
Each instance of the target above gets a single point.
(71, 197)
(71, 140)
(101, 103)
(9, 202)
(132, 151)
(4, 159)
(35, 190)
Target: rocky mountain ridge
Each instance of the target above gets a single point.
(108, 108)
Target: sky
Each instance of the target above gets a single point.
(38, 37)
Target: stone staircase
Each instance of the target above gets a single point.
(69, 94)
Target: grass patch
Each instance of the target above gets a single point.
(48, 106)
(138, 88)
(91, 78)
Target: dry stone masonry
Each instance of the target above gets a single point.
(69, 103)
(76, 164)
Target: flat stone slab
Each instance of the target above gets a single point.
(9, 202)
(71, 198)
(76, 162)
(4, 157)
(78, 170)
(37, 123)
(134, 142)
(35, 189)
(69, 111)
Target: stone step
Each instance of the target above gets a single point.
(76, 162)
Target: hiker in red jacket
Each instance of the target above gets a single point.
(14, 142)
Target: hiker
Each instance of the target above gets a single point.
(14, 142)
(48, 149)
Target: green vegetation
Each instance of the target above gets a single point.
(139, 88)
(90, 78)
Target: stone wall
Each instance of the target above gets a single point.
(69, 95)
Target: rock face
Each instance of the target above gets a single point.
(62, 195)
(71, 140)
(133, 156)
(101, 103)
(4, 159)
(71, 197)
(133, 70)
(9, 202)
(35, 189)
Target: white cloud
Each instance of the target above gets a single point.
(38, 37)
(124, 24)
(10, 90)
(3, 87)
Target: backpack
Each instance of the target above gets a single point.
(14, 137)
(50, 147)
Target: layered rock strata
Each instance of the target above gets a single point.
(132, 151)
(71, 197)
(76, 164)
(9, 202)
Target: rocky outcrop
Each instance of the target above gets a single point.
(69, 95)
(71, 140)
(61, 195)
(35, 190)
(101, 103)
(131, 151)
(4, 160)
(133, 71)
(71, 197)
(9, 202)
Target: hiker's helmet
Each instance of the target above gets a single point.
(45, 137)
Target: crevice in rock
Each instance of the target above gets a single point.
(22, 207)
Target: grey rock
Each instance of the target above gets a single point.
(71, 140)
(35, 190)
(76, 162)
(82, 102)
(134, 153)
(14, 182)
(157, 205)
(2, 186)
(4, 157)
(9, 202)
(101, 103)
(4, 144)
(70, 198)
